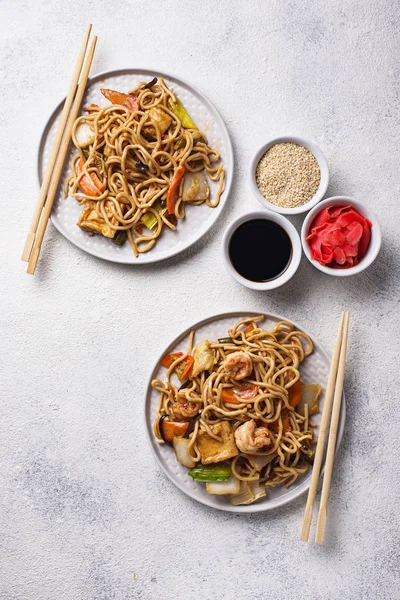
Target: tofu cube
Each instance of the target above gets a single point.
(160, 117)
(213, 451)
(91, 220)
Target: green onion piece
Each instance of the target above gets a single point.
(149, 219)
(182, 114)
(120, 237)
(211, 473)
(227, 340)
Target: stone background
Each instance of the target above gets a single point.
(85, 512)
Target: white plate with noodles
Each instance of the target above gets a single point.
(148, 168)
(243, 427)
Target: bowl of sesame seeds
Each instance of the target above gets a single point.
(289, 175)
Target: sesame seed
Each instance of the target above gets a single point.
(288, 175)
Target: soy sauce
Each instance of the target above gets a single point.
(260, 250)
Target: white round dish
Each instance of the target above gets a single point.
(296, 250)
(323, 165)
(198, 219)
(315, 369)
(374, 245)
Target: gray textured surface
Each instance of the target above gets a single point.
(84, 511)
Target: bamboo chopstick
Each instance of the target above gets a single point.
(330, 455)
(60, 160)
(319, 452)
(55, 149)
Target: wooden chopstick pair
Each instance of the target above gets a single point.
(58, 154)
(332, 405)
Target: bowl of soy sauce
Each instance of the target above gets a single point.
(262, 250)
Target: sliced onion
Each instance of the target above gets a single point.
(223, 488)
(259, 461)
(244, 496)
(311, 393)
(203, 358)
(84, 135)
(195, 187)
(181, 451)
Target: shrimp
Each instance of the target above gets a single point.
(183, 410)
(250, 438)
(238, 365)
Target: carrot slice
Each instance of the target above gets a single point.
(295, 393)
(250, 328)
(173, 190)
(173, 429)
(189, 360)
(128, 100)
(91, 186)
(168, 359)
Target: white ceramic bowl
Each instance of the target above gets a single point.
(374, 245)
(323, 184)
(296, 250)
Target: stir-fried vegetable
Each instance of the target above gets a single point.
(149, 85)
(128, 100)
(184, 385)
(168, 359)
(223, 488)
(120, 237)
(259, 461)
(180, 445)
(183, 368)
(84, 135)
(195, 187)
(211, 473)
(203, 358)
(149, 219)
(140, 166)
(250, 328)
(92, 185)
(188, 364)
(311, 394)
(182, 114)
(295, 393)
(171, 429)
(173, 190)
(227, 340)
(162, 119)
(250, 491)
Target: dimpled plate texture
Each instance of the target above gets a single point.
(198, 219)
(314, 369)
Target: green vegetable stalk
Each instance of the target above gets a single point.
(120, 237)
(149, 219)
(210, 473)
(182, 114)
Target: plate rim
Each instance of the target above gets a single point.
(132, 260)
(250, 508)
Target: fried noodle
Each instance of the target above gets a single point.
(276, 355)
(123, 140)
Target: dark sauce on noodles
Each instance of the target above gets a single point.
(260, 250)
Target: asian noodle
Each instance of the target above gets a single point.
(131, 162)
(275, 359)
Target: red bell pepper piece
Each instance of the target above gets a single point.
(128, 100)
(173, 190)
